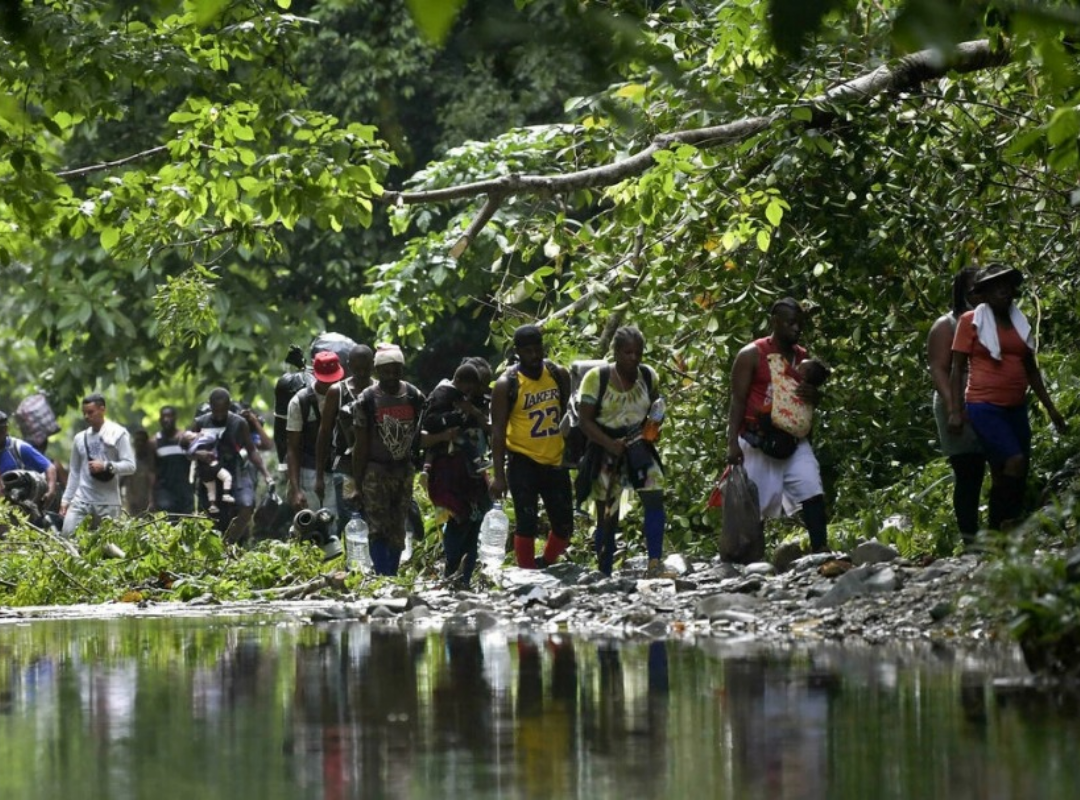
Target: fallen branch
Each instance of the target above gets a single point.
(905, 74)
(334, 580)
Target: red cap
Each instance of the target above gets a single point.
(327, 367)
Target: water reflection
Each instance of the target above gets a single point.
(248, 708)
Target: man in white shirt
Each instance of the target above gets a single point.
(100, 454)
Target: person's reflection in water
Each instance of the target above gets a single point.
(386, 712)
(628, 734)
(462, 704)
(355, 713)
(321, 704)
(778, 721)
(545, 733)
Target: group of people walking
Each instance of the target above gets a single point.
(356, 434)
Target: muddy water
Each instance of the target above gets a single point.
(266, 708)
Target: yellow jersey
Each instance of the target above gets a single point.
(532, 426)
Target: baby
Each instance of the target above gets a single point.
(790, 413)
(209, 471)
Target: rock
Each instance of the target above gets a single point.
(677, 564)
(613, 585)
(812, 561)
(721, 571)
(655, 586)
(882, 581)
(417, 613)
(785, 555)
(763, 568)
(562, 598)
(850, 584)
(382, 612)
(709, 607)
(932, 573)
(748, 585)
(834, 568)
(940, 610)
(872, 552)
(332, 613)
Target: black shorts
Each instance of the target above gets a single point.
(530, 482)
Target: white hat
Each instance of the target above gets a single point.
(388, 354)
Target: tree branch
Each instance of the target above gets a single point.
(78, 172)
(907, 73)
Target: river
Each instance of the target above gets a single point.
(276, 707)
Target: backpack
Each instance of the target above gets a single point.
(575, 440)
(36, 419)
(513, 385)
(286, 387)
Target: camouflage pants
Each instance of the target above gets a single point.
(387, 490)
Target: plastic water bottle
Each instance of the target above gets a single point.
(493, 533)
(655, 418)
(357, 555)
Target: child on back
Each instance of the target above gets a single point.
(208, 470)
(790, 413)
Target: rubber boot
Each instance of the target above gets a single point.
(555, 547)
(525, 551)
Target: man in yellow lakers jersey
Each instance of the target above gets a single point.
(527, 404)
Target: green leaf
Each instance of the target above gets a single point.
(774, 212)
(763, 240)
(206, 11)
(109, 238)
(434, 18)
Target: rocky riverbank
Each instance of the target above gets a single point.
(869, 595)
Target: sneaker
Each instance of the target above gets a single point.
(213, 510)
(656, 570)
(228, 498)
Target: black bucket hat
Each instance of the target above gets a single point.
(997, 272)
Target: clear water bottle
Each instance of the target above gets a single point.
(655, 418)
(493, 532)
(357, 554)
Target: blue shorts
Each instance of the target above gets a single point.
(1004, 431)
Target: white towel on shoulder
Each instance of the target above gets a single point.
(986, 328)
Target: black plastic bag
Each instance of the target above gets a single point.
(742, 538)
(273, 517)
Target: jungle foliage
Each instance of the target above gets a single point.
(160, 160)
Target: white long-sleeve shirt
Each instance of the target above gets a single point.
(112, 444)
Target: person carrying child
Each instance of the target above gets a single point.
(454, 463)
(208, 469)
(781, 465)
(790, 412)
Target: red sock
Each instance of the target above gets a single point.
(525, 551)
(555, 547)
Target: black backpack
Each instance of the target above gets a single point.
(513, 384)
